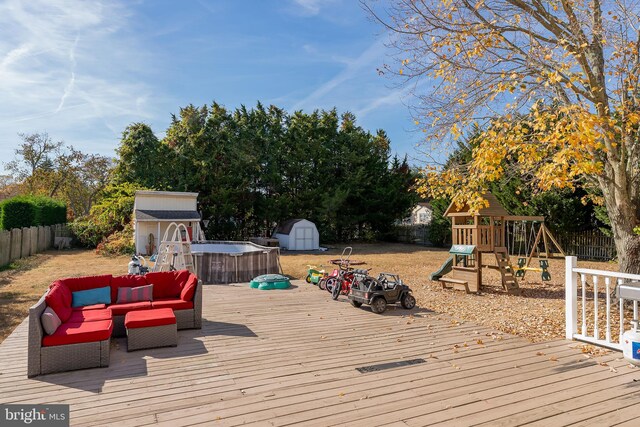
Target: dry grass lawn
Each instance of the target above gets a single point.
(537, 314)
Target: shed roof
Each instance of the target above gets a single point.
(494, 208)
(160, 215)
(287, 226)
(165, 193)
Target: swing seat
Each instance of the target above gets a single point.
(522, 262)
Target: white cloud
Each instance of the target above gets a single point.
(354, 69)
(311, 7)
(69, 67)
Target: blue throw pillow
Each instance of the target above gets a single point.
(91, 296)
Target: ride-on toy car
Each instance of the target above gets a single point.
(378, 293)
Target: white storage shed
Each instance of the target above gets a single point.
(298, 235)
(153, 211)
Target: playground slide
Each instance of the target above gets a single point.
(446, 268)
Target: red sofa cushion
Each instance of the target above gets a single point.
(86, 282)
(149, 318)
(89, 316)
(122, 309)
(90, 307)
(167, 284)
(176, 304)
(127, 281)
(59, 299)
(74, 333)
(189, 288)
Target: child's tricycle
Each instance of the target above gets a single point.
(314, 275)
(378, 293)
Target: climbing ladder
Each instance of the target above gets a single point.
(175, 253)
(509, 282)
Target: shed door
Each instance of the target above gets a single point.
(304, 238)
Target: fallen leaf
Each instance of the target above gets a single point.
(539, 353)
(553, 359)
(612, 369)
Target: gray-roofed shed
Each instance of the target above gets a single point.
(165, 215)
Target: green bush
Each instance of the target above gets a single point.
(49, 211)
(111, 214)
(118, 243)
(27, 211)
(17, 212)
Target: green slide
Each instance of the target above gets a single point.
(446, 268)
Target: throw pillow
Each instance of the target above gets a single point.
(59, 299)
(91, 296)
(50, 321)
(141, 293)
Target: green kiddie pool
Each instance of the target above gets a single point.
(270, 281)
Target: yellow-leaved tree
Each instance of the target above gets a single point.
(553, 84)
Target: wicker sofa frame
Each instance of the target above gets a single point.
(46, 360)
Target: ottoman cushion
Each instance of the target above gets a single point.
(149, 318)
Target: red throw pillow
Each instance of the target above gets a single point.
(59, 299)
(127, 281)
(165, 284)
(141, 293)
(189, 288)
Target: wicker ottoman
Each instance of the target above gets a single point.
(151, 328)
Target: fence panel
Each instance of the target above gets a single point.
(16, 244)
(34, 240)
(418, 234)
(23, 242)
(26, 242)
(5, 247)
(590, 245)
(42, 241)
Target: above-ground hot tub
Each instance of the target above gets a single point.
(233, 262)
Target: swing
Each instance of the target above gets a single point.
(523, 263)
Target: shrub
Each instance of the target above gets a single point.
(49, 211)
(111, 214)
(27, 211)
(118, 243)
(18, 212)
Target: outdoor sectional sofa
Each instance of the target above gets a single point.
(82, 340)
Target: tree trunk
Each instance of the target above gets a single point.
(623, 214)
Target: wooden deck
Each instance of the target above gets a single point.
(290, 357)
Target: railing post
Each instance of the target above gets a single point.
(571, 297)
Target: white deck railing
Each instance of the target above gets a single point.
(587, 319)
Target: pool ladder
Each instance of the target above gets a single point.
(175, 253)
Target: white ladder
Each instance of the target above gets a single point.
(175, 253)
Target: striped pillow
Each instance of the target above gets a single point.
(141, 293)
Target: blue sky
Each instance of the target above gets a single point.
(83, 71)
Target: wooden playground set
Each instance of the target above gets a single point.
(492, 230)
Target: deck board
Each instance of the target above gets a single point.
(289, 357)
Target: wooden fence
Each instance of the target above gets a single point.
(588, 245)
(23, 242)
(417, 234)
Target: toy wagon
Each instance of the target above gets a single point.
(378, 293)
